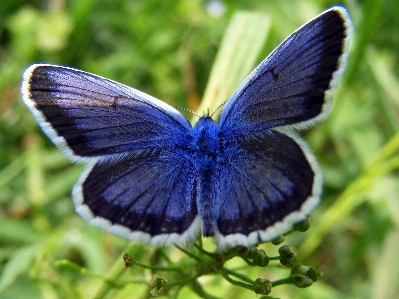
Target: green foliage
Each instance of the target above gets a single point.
(168, 49)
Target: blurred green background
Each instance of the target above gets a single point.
(166, 49)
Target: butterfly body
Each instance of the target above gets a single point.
(208, 154)
(154, 178)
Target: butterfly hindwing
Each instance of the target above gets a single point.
(290, 86)
(147, 199)
(89, 116)
(271, 187)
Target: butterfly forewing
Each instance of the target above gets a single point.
(90, 116)
(289, 86)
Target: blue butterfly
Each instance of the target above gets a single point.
(153, 178)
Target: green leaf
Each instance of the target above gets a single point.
(240, 47)
(17, 231)
(386, 269)
(385, 161)
(19, 262)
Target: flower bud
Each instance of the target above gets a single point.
(301, 281)
(127, 260)
(261, 259)
(303, 276)
(262, 286)
(288, 255)
(156, 284)
(258, 257)
(304, 225)
(278, 240)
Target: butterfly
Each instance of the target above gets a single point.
(153, 177)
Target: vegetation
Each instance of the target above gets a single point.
(167, 49)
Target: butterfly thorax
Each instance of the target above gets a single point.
(206, 138)
(207, 153)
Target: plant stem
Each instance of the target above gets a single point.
(239, 275)
(281, 281)
(157, 268)
(189, 253)
(235, 282)
(197, 288)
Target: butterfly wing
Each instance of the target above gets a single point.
(137, 182)
(88, 116)
(276, 178)
(293, 85)
(147, 199)
(277, 182)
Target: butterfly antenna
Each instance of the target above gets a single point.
(217, 108)
(188, 110)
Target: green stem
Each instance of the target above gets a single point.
(288, 233)
(203, 251)
(181, 282)
(249, 263)
(236, 282)
(197, 288)
(189, 253)
(274, 258)
(68, 264)
(157, 268)
(239, 275)
(165, 256)
(106, 289)
(281, 281)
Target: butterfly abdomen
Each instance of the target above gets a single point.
(206, 153)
